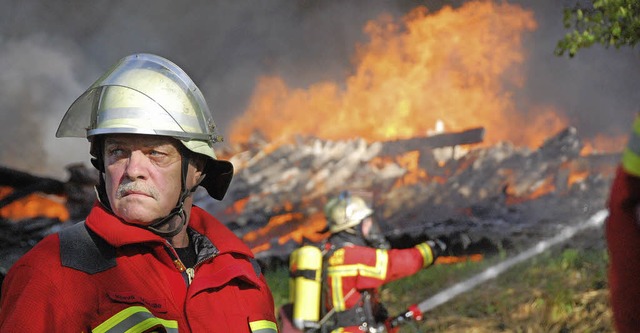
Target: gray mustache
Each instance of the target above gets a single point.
(136, 187)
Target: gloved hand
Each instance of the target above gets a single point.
(438, 247)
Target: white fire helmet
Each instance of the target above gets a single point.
(345, 211)
(147, 94)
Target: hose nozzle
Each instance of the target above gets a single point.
(412, 313)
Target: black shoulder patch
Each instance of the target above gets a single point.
(82, 249)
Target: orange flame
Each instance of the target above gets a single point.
(32, 206)
(286, 227)
(577, 176)
(459, 259)
(454, 65)
(542, 187)
(237, 207)
(410, 162)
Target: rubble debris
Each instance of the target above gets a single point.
(501, 196)
(490, 198)
(24, 184)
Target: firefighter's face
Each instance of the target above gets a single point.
(372, 234)
(367, 224)
(143, 176)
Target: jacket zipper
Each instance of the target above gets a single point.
(177, 263)
(191, 274)
(191, 271)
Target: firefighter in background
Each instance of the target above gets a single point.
(623, 237)
(145, 259)
(359, 260)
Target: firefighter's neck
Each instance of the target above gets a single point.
(180, 240)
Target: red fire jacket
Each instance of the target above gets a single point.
(623, 242)
(141, 288)
(352, 270)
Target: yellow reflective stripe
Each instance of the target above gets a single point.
(631, 162)
(338, 330)
(427, 254)
(382, 263)
(336, 273)
(336, 294)
(379, 270)
(337, 258)
(631, 153)
(134, 319)
(344, 270)
(636, 124)
(154, 322)
(263, 326)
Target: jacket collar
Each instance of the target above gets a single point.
(118, 233)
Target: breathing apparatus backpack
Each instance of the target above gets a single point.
(305, 286)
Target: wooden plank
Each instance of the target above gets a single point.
(24, 184)
(451, 139)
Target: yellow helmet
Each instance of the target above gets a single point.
(147, 94)
(345, 211)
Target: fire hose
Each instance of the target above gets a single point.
(416, 311)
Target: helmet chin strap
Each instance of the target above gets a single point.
(178, 211)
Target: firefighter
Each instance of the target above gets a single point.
(623, 237)
(359, 260)
(145, 259)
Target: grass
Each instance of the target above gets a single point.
(562, 290)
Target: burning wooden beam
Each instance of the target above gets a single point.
(77, 192)
(24, 184)
(451, 139)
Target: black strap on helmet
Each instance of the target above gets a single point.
(178, 210)
(97, 150)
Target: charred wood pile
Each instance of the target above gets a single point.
(77, 190)
(482, 198)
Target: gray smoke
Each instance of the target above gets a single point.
(50, 51)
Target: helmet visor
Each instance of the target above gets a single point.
(141, 94)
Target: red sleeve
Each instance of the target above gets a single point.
(260, 309)
(377, 267)
(403, 263)
(31, 300)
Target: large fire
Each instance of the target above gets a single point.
(459, 66)
(454, 68)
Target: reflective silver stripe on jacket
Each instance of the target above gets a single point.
(135, 319)
(263, 326)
